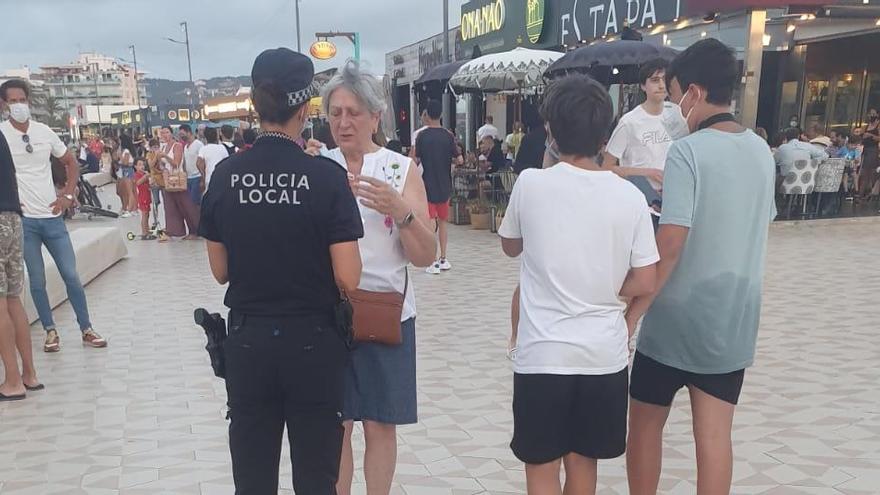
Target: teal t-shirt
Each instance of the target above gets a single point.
(705, 319)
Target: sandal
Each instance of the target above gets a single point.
(9, 398)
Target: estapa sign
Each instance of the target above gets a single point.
(586, 20)
(500, 25)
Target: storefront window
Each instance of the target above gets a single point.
(816, 104)
(845, 111)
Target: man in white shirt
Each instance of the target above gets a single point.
(488, 130)
(31, 143)
(191, 147)
(587, 241)
(209, 156)
(793, 150)
(642, 138)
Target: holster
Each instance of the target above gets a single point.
(215, 330)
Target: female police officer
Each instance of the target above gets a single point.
(282, 229)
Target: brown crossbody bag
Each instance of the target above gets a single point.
(377, 315)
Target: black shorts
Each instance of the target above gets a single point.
(555, 415)
(656, 383)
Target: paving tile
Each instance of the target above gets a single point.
(146, 416)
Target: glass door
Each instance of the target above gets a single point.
(845, 102)
(872, 96)
(816, 102)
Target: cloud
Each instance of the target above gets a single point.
(225, 35)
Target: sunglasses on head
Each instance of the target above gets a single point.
(27, 141)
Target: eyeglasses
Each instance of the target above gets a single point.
(27, 141)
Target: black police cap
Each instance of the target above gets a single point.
(292, 72)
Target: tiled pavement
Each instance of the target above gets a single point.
(145, 415)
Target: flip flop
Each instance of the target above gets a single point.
(9, 398)
(35, 388)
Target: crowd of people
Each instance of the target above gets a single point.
(640, 223)
(858, 146)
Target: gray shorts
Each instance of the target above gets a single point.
(11, 260)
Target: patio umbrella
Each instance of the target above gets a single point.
(440, 73)
(517, 69)
(609, 54)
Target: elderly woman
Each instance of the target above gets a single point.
(381, 381)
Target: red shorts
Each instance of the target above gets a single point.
(144, 203)
(439, 211)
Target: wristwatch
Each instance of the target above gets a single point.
(407, 220)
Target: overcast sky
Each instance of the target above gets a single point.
(225, 35)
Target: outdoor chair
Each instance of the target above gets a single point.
(800, 180)
(829, 178)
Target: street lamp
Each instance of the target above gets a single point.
(298, 37)
(185, 28)
(137, 87)
(355, 39)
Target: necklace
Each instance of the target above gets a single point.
(276, 134)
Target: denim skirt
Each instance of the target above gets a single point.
(380, 382)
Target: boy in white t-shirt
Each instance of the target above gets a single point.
(642, 138)
(587, 241)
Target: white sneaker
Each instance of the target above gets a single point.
(445, 265)
(434, 269)
(125, 214)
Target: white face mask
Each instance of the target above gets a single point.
(20, 112)
(687, 116)
(675, 123)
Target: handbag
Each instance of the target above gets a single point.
(175, 178)
(377, 315)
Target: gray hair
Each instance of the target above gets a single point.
(367, 87)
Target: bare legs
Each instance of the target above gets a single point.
(580, 477)
(443, 234)
(379, 460)
(712, 423)
(644, 446)
(15, 335)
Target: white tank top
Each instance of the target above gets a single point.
(382, 255)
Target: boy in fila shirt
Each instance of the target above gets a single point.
(642, 138)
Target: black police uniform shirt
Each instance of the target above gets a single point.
(277, 210)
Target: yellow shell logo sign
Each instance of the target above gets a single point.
(323, 50)
(534, 19)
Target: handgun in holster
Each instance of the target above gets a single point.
(215, 329)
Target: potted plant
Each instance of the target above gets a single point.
(479, 212)
(499, 216)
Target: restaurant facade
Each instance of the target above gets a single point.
(813, 63)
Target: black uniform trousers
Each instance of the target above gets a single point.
(284, 371)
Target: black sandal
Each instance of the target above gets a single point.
(35, 388)
(10, 398)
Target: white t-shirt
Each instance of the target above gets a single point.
(642, 140)
(212, 154)
(190, 156)
(582, 231)
(487, 130)
(34, 170)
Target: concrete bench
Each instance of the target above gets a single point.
(96, 248)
